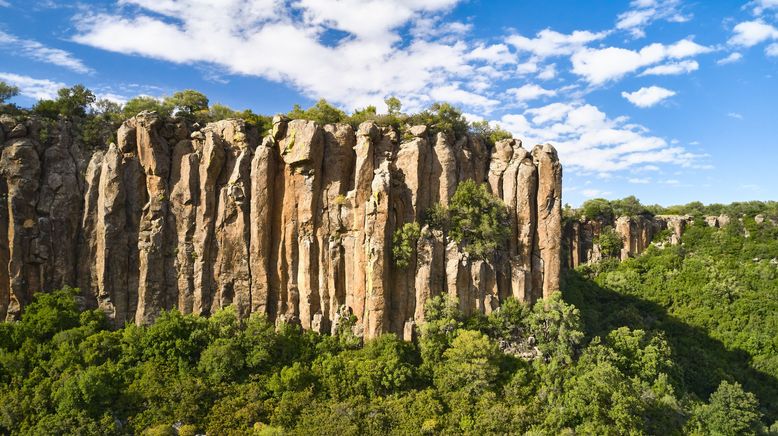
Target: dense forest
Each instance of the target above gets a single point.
(678, 341)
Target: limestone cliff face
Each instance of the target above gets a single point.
(297, 225)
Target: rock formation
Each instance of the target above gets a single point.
(637, 234)
(297, 225)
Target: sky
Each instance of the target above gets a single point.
(671, 101)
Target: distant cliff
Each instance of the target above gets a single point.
(637, 234)
(297, 225)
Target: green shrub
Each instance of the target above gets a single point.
(478, 220)
(610, 242)
(404, 243)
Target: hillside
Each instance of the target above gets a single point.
(677, 341)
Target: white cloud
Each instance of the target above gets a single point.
(548, 42)
(4, 4)
(38, 89)
(647, 97)
(772, 50)
(39, 52)
(735, 115)
(548, 72)
(731, 58)
(294, 45)
(751, 33)
(682, 67)
(598, 66)
(640, 181)
(686, 48)
(589, 141)
(529, 67)
(453, 94)
(496, 54)
(760, 6)
(530, 91)
(645, 12)
(110, 96)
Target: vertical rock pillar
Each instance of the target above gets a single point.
(549, 222)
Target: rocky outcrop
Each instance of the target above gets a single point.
(297, 225)
(637, 234)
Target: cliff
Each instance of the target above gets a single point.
(637, 234)
(297, 225)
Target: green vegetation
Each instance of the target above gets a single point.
(609, 210)
(439, 117)
(7, 92)
(677, 341)
(98, 119)
(715, 300)
(478, 221)
(489, 133)
(404, 243)
(610, 242)
(475, 219)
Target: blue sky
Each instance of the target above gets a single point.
(672, 101)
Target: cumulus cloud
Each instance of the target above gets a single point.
(39, 52)
(683, 67)
(772, 50)
(548, 72)
(735, 115)
(647, 97)
(293, 43)
(590, 141)
(547, 42)
(598, 66)
(751, 33)
(731, 58)
(496, 54)
(38, 89)
(530, 91)
(645, 12)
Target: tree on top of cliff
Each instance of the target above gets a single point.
(7, 92)
(70, 102)
(442, 117)
(141, 103)
(188, 103)
(490, 134)
(393, 105)
(322, 112)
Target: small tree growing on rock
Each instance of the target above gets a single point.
(475, 219)
(610, 242)
(404, 243)
(478, 220)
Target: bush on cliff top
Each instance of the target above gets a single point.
(99, 119)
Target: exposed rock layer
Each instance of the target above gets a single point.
(297, 225)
